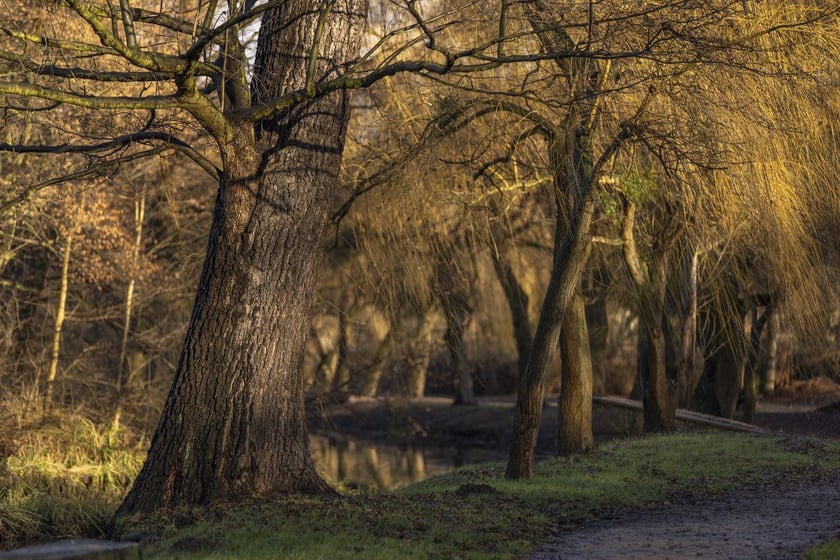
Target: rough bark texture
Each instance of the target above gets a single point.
(233, 423)
(574, 422)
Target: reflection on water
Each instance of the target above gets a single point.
(389, 467)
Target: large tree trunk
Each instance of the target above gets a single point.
(124, 370)
(574, 420)
(233, 423)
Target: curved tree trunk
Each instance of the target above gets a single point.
(651, 360)
(517, 300)
(233, 423)
(570, 257)
(574, 416)
(419, 356)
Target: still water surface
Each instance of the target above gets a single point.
(387, 466)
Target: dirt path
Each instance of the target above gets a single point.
(777, 522)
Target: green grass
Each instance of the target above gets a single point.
(494, 518)
(65, 476)
(825, 551)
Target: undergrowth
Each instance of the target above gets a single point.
(61, 475)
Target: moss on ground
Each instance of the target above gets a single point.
(825, 551)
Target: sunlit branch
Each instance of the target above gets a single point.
(312, 63)
(150, 61)
(91, 102)
(72, 46)
(83, 73)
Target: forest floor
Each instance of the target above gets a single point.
(777, 521)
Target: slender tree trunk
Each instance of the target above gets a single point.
(751, 373)
(341, 375)
(60, 309)
(687, 377)
(123, 379)
(574, 417)
(517, 300)
(651, 360)
(327, 353)
(233, 424)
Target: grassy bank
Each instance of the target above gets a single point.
(475, 513)
(62, 476)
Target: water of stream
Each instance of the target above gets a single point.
(386, 466)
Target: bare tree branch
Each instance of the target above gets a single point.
(119, 141)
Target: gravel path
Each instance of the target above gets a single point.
(777, 522)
